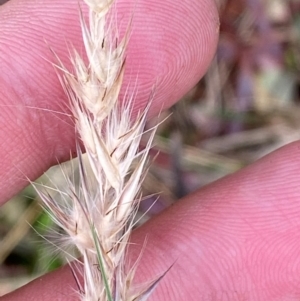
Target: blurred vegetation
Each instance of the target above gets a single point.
(246, 106)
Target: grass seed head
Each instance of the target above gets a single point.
(97, 217)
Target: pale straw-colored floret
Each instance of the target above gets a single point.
(98, 215)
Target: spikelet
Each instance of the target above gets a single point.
(97, 217)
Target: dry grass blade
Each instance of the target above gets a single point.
(97, 216)
(15, 234)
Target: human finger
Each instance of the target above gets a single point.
(170, 48)
(237, 238)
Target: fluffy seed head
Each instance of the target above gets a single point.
(98, 215)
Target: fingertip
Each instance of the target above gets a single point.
(170, 48)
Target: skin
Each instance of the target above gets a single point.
(236, 239)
